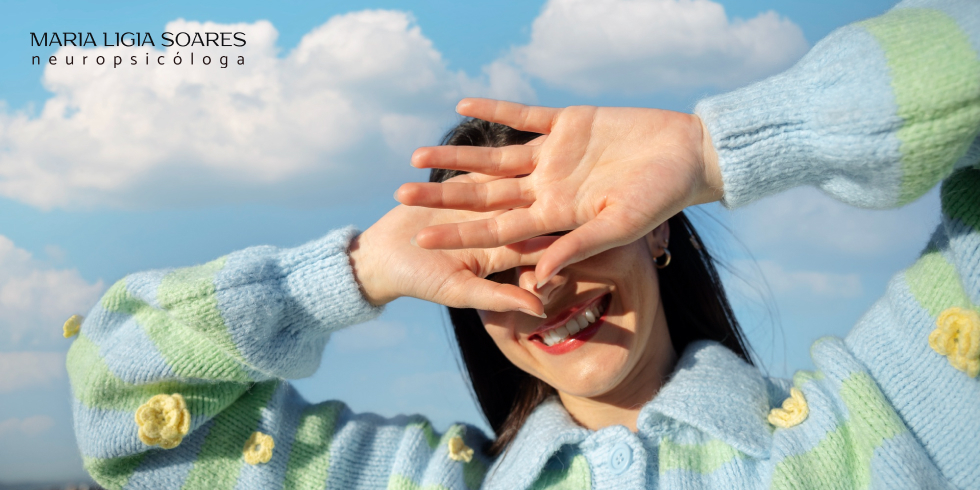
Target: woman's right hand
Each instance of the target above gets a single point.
(388, 265)
(607, 175)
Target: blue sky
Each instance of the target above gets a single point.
(107, 172)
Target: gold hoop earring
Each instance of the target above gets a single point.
(656, 260)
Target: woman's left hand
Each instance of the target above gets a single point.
(609, 174)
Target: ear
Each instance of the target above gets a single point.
(658, 239)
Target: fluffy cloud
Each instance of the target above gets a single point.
(643, 46)
(336, 117)
(805, 221)
(340, 112)
(810, 283)
(30, 426)
(35, 300)
(29, 369)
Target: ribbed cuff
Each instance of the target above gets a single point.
(321, 281)
(756, 132)
(830, 121)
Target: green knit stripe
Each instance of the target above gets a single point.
(398, 482)
(116, 299)
(220, 459)
(697, 458)
(309, 459)
(475, 470)
(935, 284)
(112, 473)
(474, 473)
(941, 115)
(95, 386)
(188, 352)
(961, 197)
(189, 295)
(453, 431)
(802, 377)
(431, 438)
(842, 459)
(575, 476)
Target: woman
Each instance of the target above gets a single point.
(179, 375)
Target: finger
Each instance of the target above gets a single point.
(507, 161)
(465, 290)
(472, 178)
(535, 119)
(607, 230)
(511, 226)
(523, 253)
(490, 196)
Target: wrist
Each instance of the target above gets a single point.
(366, 271)
(713, 188)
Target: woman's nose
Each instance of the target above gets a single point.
(528, 281)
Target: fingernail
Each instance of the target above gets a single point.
(545, 281)
(395, 195)
(413, 242)
(529, 312)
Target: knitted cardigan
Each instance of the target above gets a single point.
(179, 376)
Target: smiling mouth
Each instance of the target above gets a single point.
(579, 323)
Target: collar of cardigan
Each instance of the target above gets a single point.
(711, 389)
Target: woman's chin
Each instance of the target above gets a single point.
(593, 376)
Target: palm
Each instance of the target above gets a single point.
(610, 174)
(388, 265)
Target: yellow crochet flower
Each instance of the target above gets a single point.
(163, 421)
(458, 451)
(72, 326)
(258, 448)
(957, 336)
(794, 411)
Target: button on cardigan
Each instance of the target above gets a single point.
(180, 377)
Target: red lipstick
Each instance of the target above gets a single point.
(578, 339)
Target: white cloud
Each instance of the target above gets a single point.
(369, 336)
(644, 46)
(810, 283)
(338, 114)
(35, 300)
(805, 220)
(29, 369)
(30, 426)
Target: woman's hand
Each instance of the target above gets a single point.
(610, 174)
(387, 265)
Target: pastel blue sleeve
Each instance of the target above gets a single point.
(875, 115)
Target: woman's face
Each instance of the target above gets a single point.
(605, 328)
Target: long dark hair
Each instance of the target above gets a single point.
(691, 292)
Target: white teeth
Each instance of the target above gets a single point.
(573, 325)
